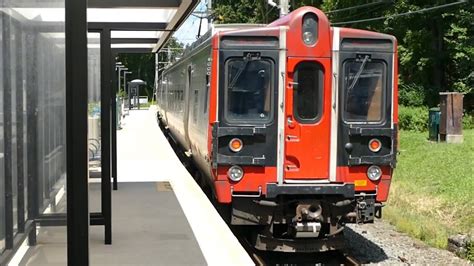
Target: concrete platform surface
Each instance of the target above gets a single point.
(149, 228)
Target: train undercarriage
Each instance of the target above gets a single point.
(301, 224)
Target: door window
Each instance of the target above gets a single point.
(307, 92)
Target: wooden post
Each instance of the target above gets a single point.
(450, 128)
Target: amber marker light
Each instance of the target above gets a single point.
(375, 145)
(235, 144)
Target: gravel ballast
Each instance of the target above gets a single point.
(380, 243)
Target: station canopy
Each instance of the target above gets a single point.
(136, 25)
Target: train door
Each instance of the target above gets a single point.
(187, 102)
(307, 129)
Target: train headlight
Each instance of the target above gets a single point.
(235, 144)
(375, 145)
(310, 29)
(374, 173)
(235, 173)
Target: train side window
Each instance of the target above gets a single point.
(195, 106)
(364, 84)
(206, 94)
(248, 92)
(308, 92)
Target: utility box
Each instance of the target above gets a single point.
(451, 106)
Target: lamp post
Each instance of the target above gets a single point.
(119, 67)
(125, 86)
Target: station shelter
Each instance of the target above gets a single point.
(57, 71)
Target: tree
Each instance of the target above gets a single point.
(142, 66)
(435, 48)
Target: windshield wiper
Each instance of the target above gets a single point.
(359, 72)
(247, 59)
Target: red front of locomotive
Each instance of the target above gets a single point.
(303, 119)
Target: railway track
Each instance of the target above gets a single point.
(262, 258)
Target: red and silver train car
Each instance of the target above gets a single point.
(292, 125)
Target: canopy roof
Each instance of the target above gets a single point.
(138, 25)
(138, 82)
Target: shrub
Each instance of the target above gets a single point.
(413, 118)
(411, 95)
(468, 121)
(470, 251)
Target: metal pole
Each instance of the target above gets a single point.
(76, 133)
(106, 130)
(284, 8)
(125, 78)
(129, 98)
(7, 133)
(138, 96)
(157, 69)
(119, 81)
(209, 17)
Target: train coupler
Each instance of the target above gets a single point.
(307, 229)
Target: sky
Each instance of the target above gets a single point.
(187, 33)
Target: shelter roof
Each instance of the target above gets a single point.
(138, 25)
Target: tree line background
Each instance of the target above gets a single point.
(436, 48)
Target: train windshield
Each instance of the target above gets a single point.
(249, 86)
(364, 84)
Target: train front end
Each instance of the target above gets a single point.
(305, 132)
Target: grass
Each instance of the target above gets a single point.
(145, 105)
(432, 192)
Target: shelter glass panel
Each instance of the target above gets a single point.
(2, 151)
(94, 107)
(32, 116)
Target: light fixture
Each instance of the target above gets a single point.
(374, 173)
(235, 145)
(235, 173)
(375, 145)
(310, 29)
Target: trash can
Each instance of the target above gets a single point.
(433, 123)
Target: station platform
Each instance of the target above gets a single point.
(159, 214)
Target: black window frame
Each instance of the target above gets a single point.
(320, 109)
(384, 94)
(271, 117)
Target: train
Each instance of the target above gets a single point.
(291, 127)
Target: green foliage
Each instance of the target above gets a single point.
(413, 118)
(468, 121)
(250, 11)
(470, 252)
(142, 66)
(122, 94)
(411, 95)
(244, 11)
(435, 49)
